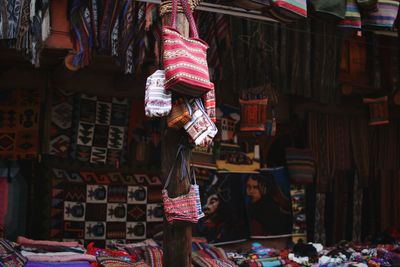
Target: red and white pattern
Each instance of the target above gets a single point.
(157, 102)
(185, 59)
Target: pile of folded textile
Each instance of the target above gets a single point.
(343, 254)
(34, 253)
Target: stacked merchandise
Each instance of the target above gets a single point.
(344, 254)
(34, 253)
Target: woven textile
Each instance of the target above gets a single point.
(352, 18)
(199, 261)
(101, 207)
(116, 262)
(301, 165)
(384, 17)
(329, 10)
(181, 113)
(19, 123)
(61, 123)
(210, 105)
(254, 114)
(288, 10)
(182, 208)
(379, 110)
(157, 102)
(166, 6)
(154, 256)
(9, 257)
(201, 129)
(101, 126)
(3, 203)
(185, 59)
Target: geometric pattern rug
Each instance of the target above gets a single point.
(104, 207)
(91, 129)
(19, 123)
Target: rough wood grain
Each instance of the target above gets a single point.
(177, 237)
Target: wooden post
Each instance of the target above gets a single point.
(177, 244)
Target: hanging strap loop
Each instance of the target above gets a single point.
(184, 168)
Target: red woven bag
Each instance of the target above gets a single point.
(185, 59)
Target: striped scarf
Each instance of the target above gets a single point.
(82, 33)
(110, 13)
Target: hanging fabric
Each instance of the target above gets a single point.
(287, 10)
(379, 110)
(253, 108)
(301, 165)
(81, 34)
(329, 10)
(367, 5)
(384, 16)
(3, 204)
(352, 18)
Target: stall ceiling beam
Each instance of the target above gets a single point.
(226, 10)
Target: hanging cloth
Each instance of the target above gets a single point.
(3, 203)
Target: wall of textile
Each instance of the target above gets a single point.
(88, 128)
(301, 59)
(100, 130)
(25, 25)
(19, 123)
(104, 206)
(358, 173)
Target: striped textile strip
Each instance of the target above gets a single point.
(301, 165)
(182, 208)
(154, 256)
(9, 257)
(298, 7)
(352, 17)
(384, 17)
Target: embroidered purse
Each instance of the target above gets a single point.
(184, 207)
(157, 102)
(185, 59)
(210, 105)
(181, 113)
(201, 129)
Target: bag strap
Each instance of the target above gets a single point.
(184, 168)
(188, 14)
(194, 176)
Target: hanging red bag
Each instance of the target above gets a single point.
(185, 59)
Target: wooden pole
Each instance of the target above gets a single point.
(177, 243)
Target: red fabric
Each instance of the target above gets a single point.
(209, 104)
(185, 59)
(182, 208)
(3, 202)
